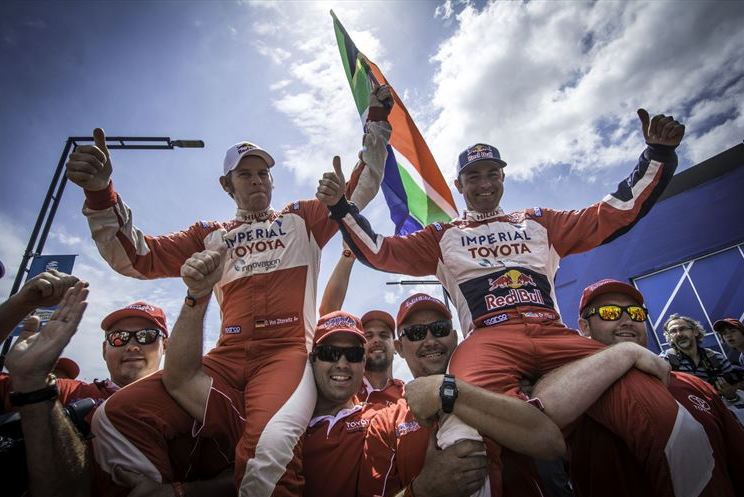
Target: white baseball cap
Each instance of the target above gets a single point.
(240, 150)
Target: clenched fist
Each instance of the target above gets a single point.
(202, 271)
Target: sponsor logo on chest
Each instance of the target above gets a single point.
(407, 427)
(356, 425)
(512, 288)
(496, 244)
(698, 403)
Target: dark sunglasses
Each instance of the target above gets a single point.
(417, 332)
(613, 312)
(120, 338)
(331, 353)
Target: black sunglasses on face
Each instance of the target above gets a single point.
(439, 329)
(120, 338)
(331, 353)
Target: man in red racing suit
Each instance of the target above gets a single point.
(267, 297)
(499, 270)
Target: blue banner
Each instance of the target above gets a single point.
(41, 263)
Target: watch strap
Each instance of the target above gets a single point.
(49, 392)
(448, 393)
(192, 301)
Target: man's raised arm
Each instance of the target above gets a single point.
(508, 421)
(183, 377)
(56, 455)
(126, 248)
(569, 391)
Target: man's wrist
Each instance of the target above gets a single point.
(193, 299)
(33, 392)
(340, 209)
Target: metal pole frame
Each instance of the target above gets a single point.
(57, 188)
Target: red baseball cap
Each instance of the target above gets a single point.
(68, 366)
(608, 286)
(338, 322)
(418, 302)
(380, 316)
(728, 323)
(139, 309)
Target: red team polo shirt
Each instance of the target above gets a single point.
(332, 452)
(600, 464)
(391, 393)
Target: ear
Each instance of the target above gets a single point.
(458, 185)
(584, 328)
(226, 185)
(103, 349)
(398, 347)
(165, 344)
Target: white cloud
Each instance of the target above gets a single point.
(444, 11)
(321, 108)
(265, 28)
(11, 251)
(279, 85)
(66, 238)
(276, 54)
(550, 82)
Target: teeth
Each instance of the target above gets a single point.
(340, 378)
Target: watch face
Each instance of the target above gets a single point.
(449, 391)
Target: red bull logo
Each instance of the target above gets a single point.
(479, 148)
(511, 279)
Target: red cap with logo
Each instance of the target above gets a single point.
(721, 324)
(140, 309)
(419, 302)
(608, 286)
(380, 316)
(338, 322)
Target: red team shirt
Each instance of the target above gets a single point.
(332, 452)
(601, 465)
(391, 393)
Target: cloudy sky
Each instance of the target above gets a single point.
(554, 85)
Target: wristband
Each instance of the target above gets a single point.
(347, 253)
(49, 392)
(192, 301)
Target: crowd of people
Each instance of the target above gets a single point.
(289, 404)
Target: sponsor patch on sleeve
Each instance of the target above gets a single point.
(232, 330)
(538, 212)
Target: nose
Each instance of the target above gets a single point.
(343, 363)
(133, 345)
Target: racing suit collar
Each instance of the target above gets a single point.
(250, 216)
(482, 216)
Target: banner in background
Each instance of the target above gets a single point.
(41, 263)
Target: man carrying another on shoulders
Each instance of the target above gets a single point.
(267, 298)
(613, 313)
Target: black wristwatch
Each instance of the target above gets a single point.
(448, 393)
(49, 392)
